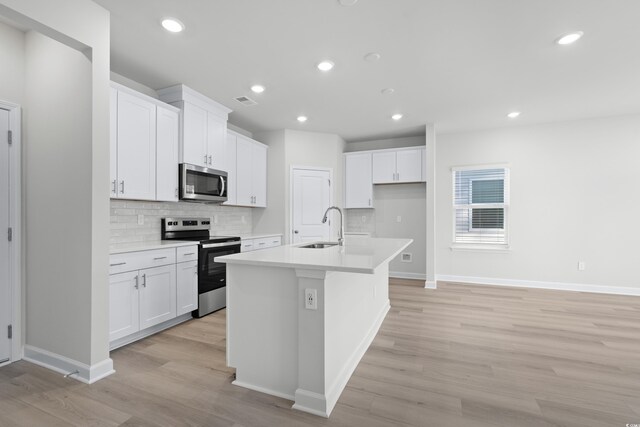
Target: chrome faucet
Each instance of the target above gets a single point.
(324, 219)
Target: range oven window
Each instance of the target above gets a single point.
(213, 275)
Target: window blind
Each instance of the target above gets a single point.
(480, 205)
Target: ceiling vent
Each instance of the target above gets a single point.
(246, 101)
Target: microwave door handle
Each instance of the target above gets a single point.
(223, 185)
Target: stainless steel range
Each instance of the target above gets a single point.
(212, 276)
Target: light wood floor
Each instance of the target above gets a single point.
(458, 356)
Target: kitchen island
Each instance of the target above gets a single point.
(300, 319)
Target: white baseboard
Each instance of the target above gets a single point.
(430, 284)
(263, 390)
(64, 365)
(561, 286)
(402, 275)
(312, 403)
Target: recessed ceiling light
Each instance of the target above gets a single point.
(372, 57)
(325, 65)
(347, 2)
(513, 114)
(302, 119)
(388, 91)
(569, 38)
(172, 25)
(396, 117)
(257, 88)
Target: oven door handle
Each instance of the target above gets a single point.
(220, 245)
(223, 185)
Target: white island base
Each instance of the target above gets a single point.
(279, 347)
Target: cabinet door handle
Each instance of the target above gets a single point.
(369, 202)
(144, 280)
(191, 253)
(398, 175)
(205, 159)
(159, 258)
(176, 192)
(115, 187)
(210, 159)
(122, 186)
(136, 285)
(261, 243)
(117, 263)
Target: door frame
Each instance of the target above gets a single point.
(15, 222)
(310, 168)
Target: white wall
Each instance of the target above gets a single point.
(574, 197)
(66, 117)
(295, 148)
(57, 154)
(12, 60)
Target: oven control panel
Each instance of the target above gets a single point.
(184, 224)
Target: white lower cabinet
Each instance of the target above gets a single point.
(157, 295)
(124, 318)
(162, 284)
(258, 243)
(187, 295)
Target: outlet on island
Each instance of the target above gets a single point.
(311, 299)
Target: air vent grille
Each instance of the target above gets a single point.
(245, 101)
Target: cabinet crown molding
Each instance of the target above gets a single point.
(184, 93)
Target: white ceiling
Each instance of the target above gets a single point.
(461, 64)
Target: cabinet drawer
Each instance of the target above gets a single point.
(187, 253)
(248, 245)
(267, 242)
(119, 263)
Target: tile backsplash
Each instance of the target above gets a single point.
(360, 220)
(225, 220)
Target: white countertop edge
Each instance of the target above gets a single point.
(121, 248)
(304, 266)
(299, 266)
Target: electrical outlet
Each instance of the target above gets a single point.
(406, 257)
(311, 299)
(582, 266)
(215, 219)
(140, 219)
(364, 219)
(399, 219)
(244, 221)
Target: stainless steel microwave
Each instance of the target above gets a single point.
(198, 184)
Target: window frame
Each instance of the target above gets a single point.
(480, 245)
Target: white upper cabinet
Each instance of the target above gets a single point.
(113, 142)
(232, 166)
(143, 146)
(397, 166)
(217, 142)
(384, 167)
(167, 140)
(251, 172)
(136, 147)
(358, 180)
(194, 136)
(204, 127)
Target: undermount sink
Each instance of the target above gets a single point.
(318, 245)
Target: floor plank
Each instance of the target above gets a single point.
(459, 355)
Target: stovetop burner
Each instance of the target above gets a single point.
(191, 229)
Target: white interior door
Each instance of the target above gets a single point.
(5, 290)
(310, 199)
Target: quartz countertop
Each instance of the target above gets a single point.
(147, 246)
(357, 256)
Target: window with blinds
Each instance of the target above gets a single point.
(480, 199)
